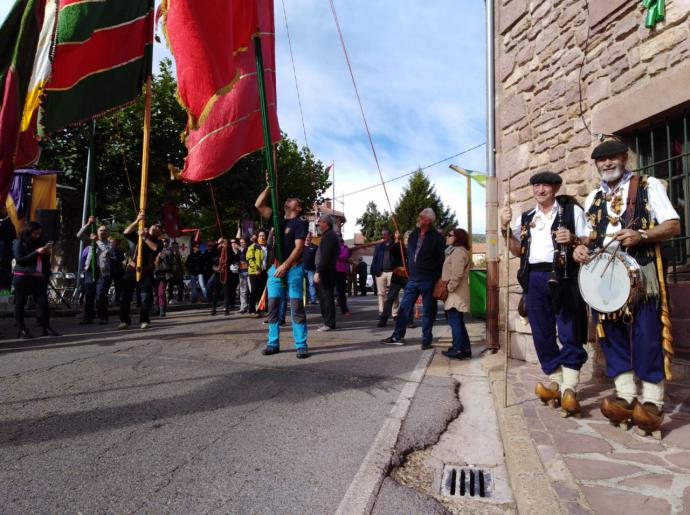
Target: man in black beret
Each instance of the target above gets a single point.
(636, 212)
(543, 238)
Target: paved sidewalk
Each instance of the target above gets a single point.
(591, 466)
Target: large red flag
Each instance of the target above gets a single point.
(211, 41)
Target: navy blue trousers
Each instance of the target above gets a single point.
(635, 347)
(544, 321)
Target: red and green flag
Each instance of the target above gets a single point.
(103, 52)
(211, 41)
(19, 36)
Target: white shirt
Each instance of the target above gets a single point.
(659, 204)
(541, 247)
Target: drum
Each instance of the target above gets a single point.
(610, 282)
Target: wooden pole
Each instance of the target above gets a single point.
(506, 345)
(469, 212)
(143, 193)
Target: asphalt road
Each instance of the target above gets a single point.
(189, 417)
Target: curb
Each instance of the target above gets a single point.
(362, 492)
(529, 481)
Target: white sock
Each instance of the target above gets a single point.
(571, 378)
(557, 377)
(625, 386)
(653, 392)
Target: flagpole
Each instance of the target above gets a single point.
(268, 147)
(143, 193)
(88, 186)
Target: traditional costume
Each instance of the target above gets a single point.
(632, 340)
(548, 276)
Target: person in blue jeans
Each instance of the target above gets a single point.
(286, 275)
(309, 264)
(425, 255)
(456, 275)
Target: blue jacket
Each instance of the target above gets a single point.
(377, 261)
(429, 262)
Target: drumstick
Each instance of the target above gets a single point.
(613, 255)
(603, 249)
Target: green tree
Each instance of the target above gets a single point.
(373, 221)
(417, 195)
(118, 146)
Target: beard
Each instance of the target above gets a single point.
(613, 174)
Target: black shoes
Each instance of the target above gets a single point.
(302, 353)
(24, 334)
(269, 350)
(458, 354)
(410, 325)
(213, 312)
(382, 322)
(393, 341)
(49, 331)
(227, 313)
(426, 345)
(85, 322)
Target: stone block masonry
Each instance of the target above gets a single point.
(565, 66)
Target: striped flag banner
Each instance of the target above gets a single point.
(102, 57)
(19, 36)
(28, 150)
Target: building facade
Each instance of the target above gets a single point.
(566, 72)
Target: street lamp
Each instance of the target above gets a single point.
(481, 180)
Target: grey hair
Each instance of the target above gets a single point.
(429, 213)
(407, 234)
(328, 219)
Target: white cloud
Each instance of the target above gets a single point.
(420, 72)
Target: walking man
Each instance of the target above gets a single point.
(326, 259)
(382, 269)
(425, 256)
(150, 249)
(309, 263)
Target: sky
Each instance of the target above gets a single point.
(420, 70)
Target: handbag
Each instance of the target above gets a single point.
(440, 291)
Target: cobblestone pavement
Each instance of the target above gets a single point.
(596, 467)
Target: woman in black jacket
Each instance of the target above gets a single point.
(30, 277)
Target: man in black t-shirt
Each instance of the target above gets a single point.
(293, 232)
(309, 265)
(151, 247)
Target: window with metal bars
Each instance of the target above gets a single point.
(663, 151)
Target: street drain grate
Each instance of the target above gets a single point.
(466, 482)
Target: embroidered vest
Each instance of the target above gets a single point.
(566, 220)
(599, 218)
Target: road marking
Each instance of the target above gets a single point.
(361, 495)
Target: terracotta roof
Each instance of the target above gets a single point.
(478, 248)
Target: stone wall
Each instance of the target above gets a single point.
(548, 91)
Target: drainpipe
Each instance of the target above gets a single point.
(491, 189)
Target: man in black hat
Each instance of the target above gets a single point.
(636, 212)
(543, 238)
